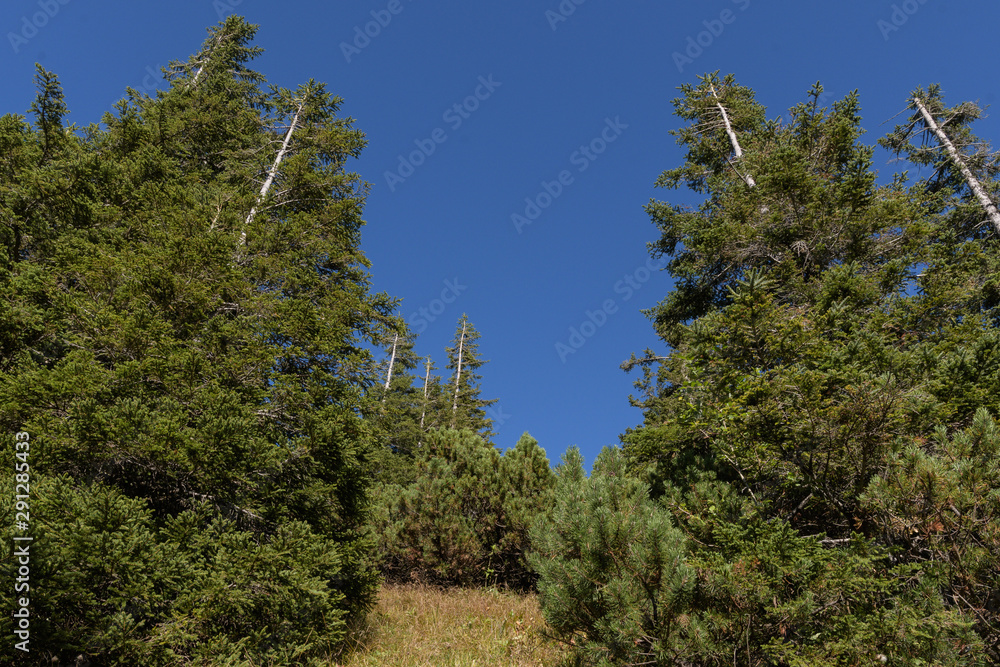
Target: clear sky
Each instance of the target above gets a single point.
(565, 104)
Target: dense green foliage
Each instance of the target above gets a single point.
(465, 518)
(219, 467)
(818, 458)
(628, 586)
(113, 582)
(195, 378)
(468, 410)
(451, 508)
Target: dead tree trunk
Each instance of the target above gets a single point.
(427, 379)
(204, 63)
(423, 410)
(973, 183)
(733, 139)
(458, 376)
(271, 175)
(392, 361)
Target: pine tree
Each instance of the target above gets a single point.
(624, 584)
(464, 517)
(527, 483)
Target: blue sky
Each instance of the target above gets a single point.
(563, 104)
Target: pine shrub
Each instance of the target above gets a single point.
(465, 519)
(625, 585)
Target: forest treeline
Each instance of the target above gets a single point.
(232, 441)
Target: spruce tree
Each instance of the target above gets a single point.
(466, 408)
(400, 412)
(815, 203)
(205, 390)
(832, 347)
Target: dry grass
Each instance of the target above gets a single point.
(422, 625)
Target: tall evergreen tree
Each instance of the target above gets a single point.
(832, 347)
(209, 393)
(958, 159)
(431, 403)
(468, 411)
(815, 203)
(400, 412)
(399, 364)
(958, 263)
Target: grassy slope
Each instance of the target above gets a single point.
(420, 625)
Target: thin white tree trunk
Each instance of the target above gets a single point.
(427, 378)
(458, 376)
(392, 360)
(194, 81)
(977, 189)
(205, 62)
(737, 149)
(274, 172)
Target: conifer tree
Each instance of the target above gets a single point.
(832, 245)
(400, 361)
(464, 517)
(622, 582)
(832, 347)
(218, 409)
(400, 412)
(815, 209)
(958, 263)
(527, 483)
(949, 147)
(436, 400)
(467, 409)
(429, 394)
